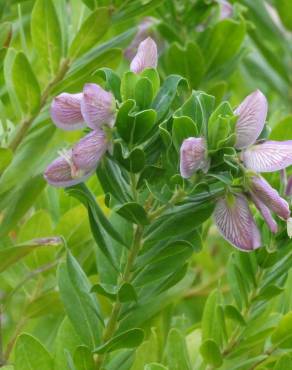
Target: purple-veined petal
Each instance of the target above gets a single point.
(252, 114)
(266, 213)
(226, 9)
(146, 56)
(269, 196)
(62, 173)
(89, 150)
(66, 111)
(144, 30)
(269, 156)
(235, 222)
(97, 106)
(193, 156)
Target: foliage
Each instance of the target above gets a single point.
(127, 271)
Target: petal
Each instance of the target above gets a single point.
(97, 106)
(59, 173)
(146, 56)
(236, 224)
(89, 150)
(265, 212)
(252, 114)
(193, 156)
(66, 112)
(269, 196)
(269, 156)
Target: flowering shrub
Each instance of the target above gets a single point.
(145, 186)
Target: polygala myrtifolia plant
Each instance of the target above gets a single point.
(164, 173)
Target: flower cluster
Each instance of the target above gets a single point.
(94, 108)
(232, 214)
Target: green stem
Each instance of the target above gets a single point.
(112, 323)
(26, 124)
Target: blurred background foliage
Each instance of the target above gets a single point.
(234, 315)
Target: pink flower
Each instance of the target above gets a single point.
(268, 156)
(235, 222)
(63, 173)
(226, 9)
(193, 156)
(89, 150)
(97, 106)
(146, 56)
(66, 112)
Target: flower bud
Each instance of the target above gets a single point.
(88, 151)
(146, 56)
(289, 227)
(63, 173)
(66, 112)
(235, 222)
(98, 106)
(269, 196)
(193, 156)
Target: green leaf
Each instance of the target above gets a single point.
(133, 212)
(284, 362)
(282, 336)
(134, 161)
(153, 76)
(233, 313)
(129, 339)
(284, 8)
(31, 354)
(176, 356)
(10, 255)
(46, 34)
(113, 82)
(91, 31)
(143, 93)
(166, 94)
(211, 326)
(214, 45)
(6, 156)
(128, 84)
(180, 220)
(186, 61)
(80, 306)
(144, 121)
(66, 340)
(211, 353)
(26, 85)
(83, 358)
(182, 128)
(168, 260)
(127, 293)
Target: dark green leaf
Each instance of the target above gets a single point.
(133, 212)
(129, 339)
(83, 358)
(211, 353)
